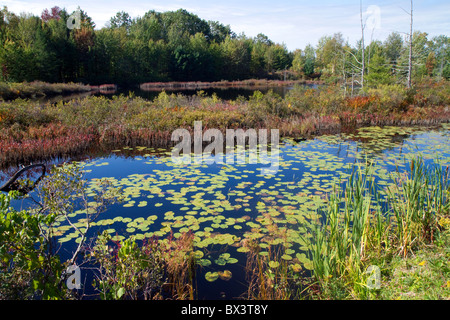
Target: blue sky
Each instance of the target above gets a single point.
(295, 23)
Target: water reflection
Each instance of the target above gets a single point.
(224, 93)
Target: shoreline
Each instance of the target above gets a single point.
(32, 131)
(251, 83)
(94, 147)
(39, 89)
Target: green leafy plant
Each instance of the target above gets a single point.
(126, 271)
(29, 269)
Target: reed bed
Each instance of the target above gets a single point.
(269, 275)
(363, 223)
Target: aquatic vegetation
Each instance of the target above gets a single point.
(418, 199)
(180, 262)
(126, 271)
(156, 269)
(250, 83)
(363, 222)
(217, 211)
(201, 201)
(342, 237)
(268, 267)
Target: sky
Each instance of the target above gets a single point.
(294, 23)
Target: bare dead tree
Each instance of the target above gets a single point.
(360, 66)
(410, 49)
(363, 63)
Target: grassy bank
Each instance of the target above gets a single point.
(31, 131)
(402, 230)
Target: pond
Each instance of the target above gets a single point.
(225, 205)
(223, 93)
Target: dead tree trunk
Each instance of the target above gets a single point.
(409, 84)
(363, 59)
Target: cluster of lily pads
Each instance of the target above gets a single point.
(225, 205)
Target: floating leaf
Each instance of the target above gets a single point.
(220, 262)
(117, 238)
(243, 249)
(204, 262)
(142, 204)
(225, 275)
(129, 204)
(198, 254)
(211, 276)
(274, 264)
(296, 267)
(232, 260)
(65, 239)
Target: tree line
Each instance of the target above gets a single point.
(175, 46)
(180, 46)
(385, 62)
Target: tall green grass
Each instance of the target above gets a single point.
(350, 223)
(363, 222)
(416, 200)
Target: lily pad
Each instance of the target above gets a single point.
(274, 264)
(204, 262)
(211, 276)
(225, 275)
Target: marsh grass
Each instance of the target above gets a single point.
(267, 272)
(10, 91)
(272, 270)
(364, 224)
(417, 201)
(349, 223)
(180, 264)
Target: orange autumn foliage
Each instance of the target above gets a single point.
(360, 102)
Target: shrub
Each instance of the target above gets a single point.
(28, 270)
(391, 98)
(126, 271)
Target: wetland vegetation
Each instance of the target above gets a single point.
(363, 180)
(34, 130)
(339, 204)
